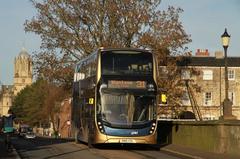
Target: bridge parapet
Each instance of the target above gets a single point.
(213, 136)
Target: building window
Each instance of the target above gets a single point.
(163, 72)
(207, 99)
(209, 117)
(207, 74)
(231, 96)
(231, 74)
(186, 99)
(185, 74)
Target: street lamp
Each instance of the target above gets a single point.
(227, 104)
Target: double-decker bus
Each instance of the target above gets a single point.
(115, 97)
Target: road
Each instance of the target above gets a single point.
(47, 148)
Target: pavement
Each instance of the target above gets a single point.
(187, 152)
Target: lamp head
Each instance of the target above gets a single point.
(225, 38)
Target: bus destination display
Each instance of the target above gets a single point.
(127, 84)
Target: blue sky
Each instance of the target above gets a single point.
(204, 20)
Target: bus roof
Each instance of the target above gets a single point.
(102, 49)
(124, 49)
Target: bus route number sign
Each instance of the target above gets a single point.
(127, 84)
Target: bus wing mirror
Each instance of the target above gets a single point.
(162, 96)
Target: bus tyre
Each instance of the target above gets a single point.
(90, 142)
(90, 136)
(156, 147)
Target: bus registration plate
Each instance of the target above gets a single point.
(127, 141)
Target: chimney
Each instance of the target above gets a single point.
(219, 55)
(202, 53)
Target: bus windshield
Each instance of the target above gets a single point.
(132, 63)
(126, 108)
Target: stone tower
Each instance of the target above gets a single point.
(22, 71)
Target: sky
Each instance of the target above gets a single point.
(203, 20)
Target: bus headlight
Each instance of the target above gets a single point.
(150, 87)
(152, 128)
(100, 127)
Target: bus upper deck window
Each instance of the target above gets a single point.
(146, 68)
(133, 67)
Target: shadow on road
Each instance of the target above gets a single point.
(38, 143)
(41, 143)
(141, 147)
(3, 150)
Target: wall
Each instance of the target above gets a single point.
(213, 136)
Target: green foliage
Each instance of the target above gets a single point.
(38, 103)
(27, 104)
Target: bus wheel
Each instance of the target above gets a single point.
(90, 144)
(90, 138)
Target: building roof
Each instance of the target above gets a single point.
(209, 61)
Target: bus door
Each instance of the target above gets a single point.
(87, 101)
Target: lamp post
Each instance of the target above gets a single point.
(227, 104)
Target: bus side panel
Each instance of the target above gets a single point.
(86, 103)
(75, 112)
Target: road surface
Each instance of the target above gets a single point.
(46, 148)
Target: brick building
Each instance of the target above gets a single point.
(65, 116)
(211, 81)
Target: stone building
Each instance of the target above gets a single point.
(6, 95)
(65, 118)
(22, 71)
(22, 78)
(211, 81)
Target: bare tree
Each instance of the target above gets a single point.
(78, 27)
(54, 69)
(72, 29)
